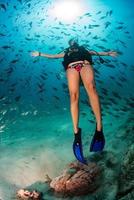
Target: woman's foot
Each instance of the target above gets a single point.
(27, 195)
(76, 130)
(77, 147)
(99, 126)
(98, 141)
(77, 136)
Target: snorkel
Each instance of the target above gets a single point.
(73, 43)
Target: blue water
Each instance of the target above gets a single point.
(36, 127)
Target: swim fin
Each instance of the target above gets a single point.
(98, 141)
(77, 148)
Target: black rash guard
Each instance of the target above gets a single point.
(75, 55)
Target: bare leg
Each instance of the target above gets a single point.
(87, 76)
(73, 85)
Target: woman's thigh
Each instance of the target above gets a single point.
(73, 78)
(87, 76)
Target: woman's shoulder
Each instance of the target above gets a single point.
(66, 49)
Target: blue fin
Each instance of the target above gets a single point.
(77, 148)
(98, 141)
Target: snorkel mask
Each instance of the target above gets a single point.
(73, 43)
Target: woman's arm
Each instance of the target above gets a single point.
(109, 53)
(37, 53)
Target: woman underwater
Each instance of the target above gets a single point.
(78, 65)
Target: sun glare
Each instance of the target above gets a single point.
(67, 10)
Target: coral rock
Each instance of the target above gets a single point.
(77, 179)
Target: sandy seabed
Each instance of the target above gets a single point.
(30, 149)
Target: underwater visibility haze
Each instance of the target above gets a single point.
(36, 131)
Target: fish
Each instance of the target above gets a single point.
(119, 27)
(95, 37)
(100, 81)
(9, 70)
(110, 12)
(104, 40)
(30, 24)
(13, 84)
(96, 71)
(103, 17)
(124, 64)
(91, 121)
(20, 1)
(123, 79)
(36, 35)
(87, 14)
(52, 48)
(84, 114)
(2, 97)
(60, 23)
(118, 83)
(120, 22)
(120, 52)
(112, 100)
(2, 35)
(57, 98)
(58, 76)
(15, 7)
(127, 32)
(6, 47)
(17, 98)
(45, 74)
(101, 47)
(41, 90)
(54, 88)
(107, 24)
(1, 60)
(2, 80)
(28, 38)
(131, 104)
(43, 77)
(40, 85)
(99, 12)
(116, 95)
(105, 92)
(93, 26)
(89, 34)
(2, 6)
(85, 102)
(36, 60)
(64, 85)
(41, 99)
(110, 65)
(29, 5)
(115, 115)
(12, 89)
(14, 61)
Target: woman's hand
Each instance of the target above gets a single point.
(35, 53)
(113, 53)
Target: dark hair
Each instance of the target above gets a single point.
(74, 40)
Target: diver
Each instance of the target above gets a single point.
(78, 66)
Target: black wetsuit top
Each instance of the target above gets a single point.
(75, 55)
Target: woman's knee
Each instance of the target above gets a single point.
(91, 87)
(74, 97)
